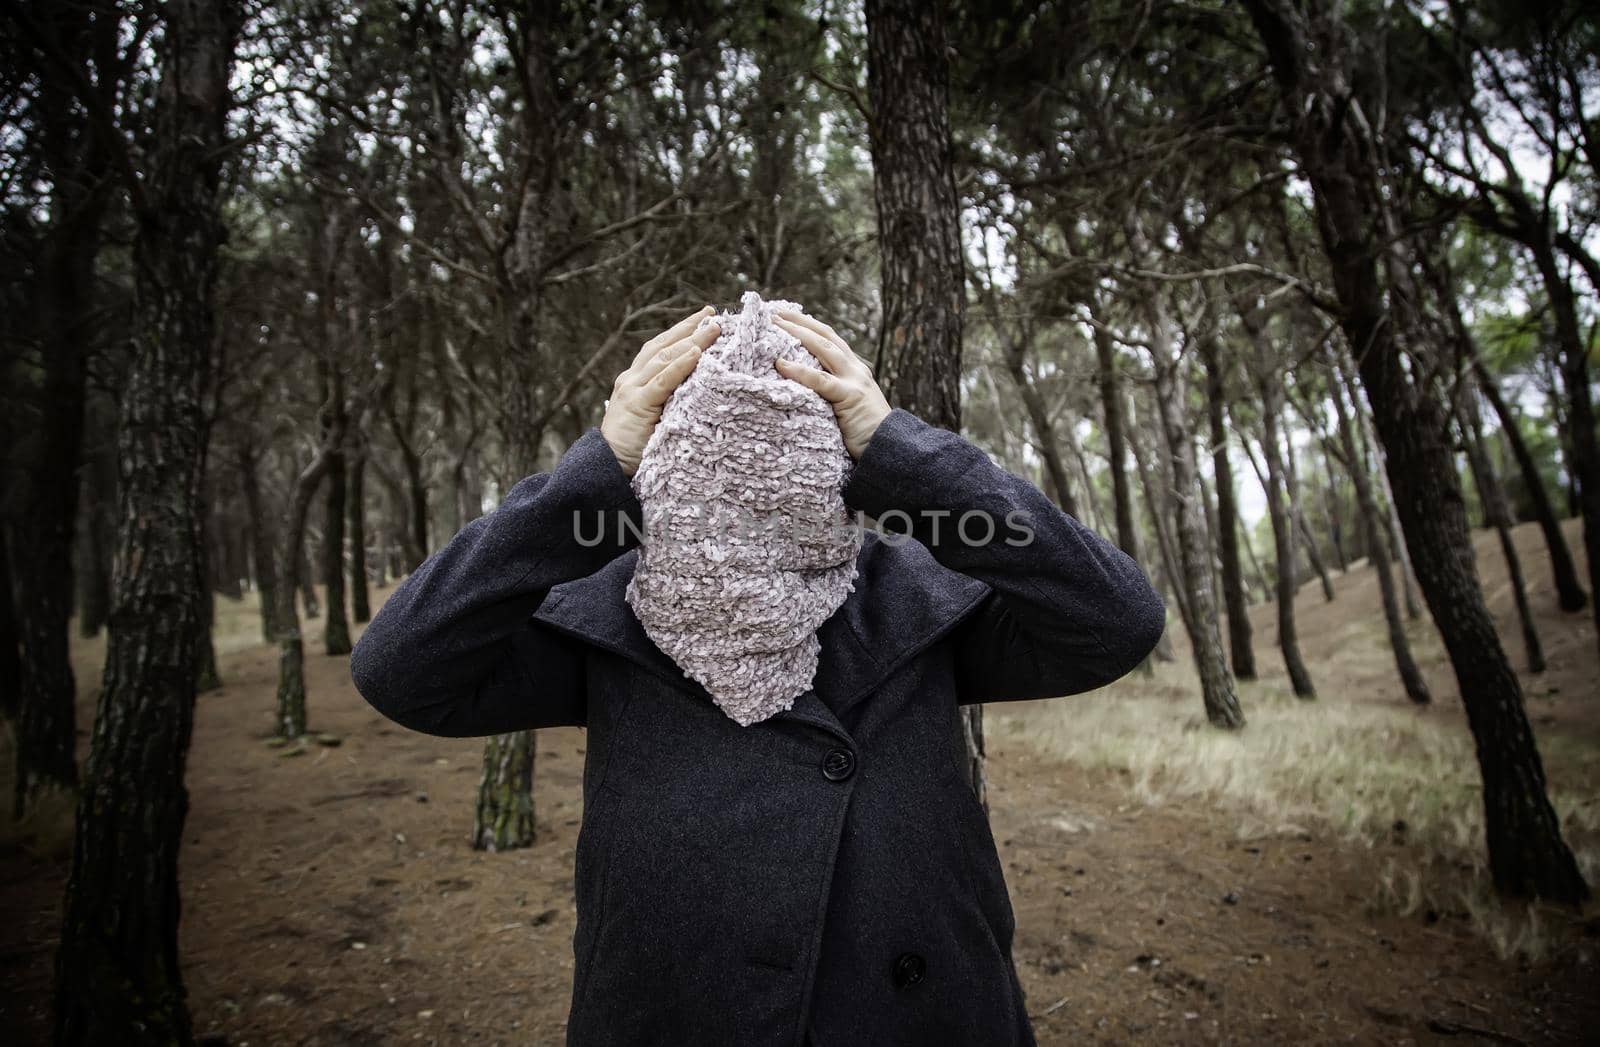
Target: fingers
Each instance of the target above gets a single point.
(824, 349)
(673, 334)
(816, 325)
(659, 388)
(666, 354)
(826, 331)
(830, 387)
(833, 355)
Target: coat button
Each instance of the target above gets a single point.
(838, 764)
(909, 967)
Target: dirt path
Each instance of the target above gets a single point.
(330, 898)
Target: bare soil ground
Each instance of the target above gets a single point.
(330, 897)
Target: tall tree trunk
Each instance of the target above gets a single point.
(1278, 507)
(417, 503)
(1116, 452)
(1497, 514)
(919, 236)
(1016, 353)
(291, 717)
(1291, 475)
(263, 541)
(1389, 518)
(207, 677)
(336, 627)
(1267, 592)
(1216, 682)
(307, 576)
(1569, 590)
(1330, 510)
(360, 606)
(1233, 594)
(1583, 444)
(1377, 544)
(48, 439)
(1309, 51)
(336, 425)
(118, 975)
(1161, 501)
(97, 510)
(10, 641)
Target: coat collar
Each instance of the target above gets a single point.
(903, 601)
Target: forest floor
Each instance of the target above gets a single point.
(1316, 878)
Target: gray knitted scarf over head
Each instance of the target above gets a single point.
(746, 546)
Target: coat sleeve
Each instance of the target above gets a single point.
(1068, 610)
(454, 651)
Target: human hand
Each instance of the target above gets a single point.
(641, 391)
(846, 381)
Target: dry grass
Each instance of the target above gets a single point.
(1360, 762)
(1366, 773)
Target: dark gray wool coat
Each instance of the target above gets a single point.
(824, 876)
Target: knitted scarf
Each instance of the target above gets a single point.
(746, 546)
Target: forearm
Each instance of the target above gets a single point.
(1072, 609)
(439, 655)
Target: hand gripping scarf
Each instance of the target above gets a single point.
(746, 546)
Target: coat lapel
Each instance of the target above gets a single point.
(903, 601)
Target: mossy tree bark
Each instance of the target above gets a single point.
(503, 817)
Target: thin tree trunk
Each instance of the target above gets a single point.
(1158, 497)
(1044, 432)
(1497, 514)
(1330, 511)
(207, 677)
(1302, 527)
(1377, 546)
(1582, 442)
(1117, 460)
(308, 580)
(1216, 682)
(262, 541)
(1569, 590)
(97, 508)
(10, 641)
(360, 605)
(1239, 637)
(1389, 518)
(118, 974)
(1268, 593)
(291, 717)
(1271, 394)
(336, 627)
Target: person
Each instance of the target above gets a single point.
(825, 876)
